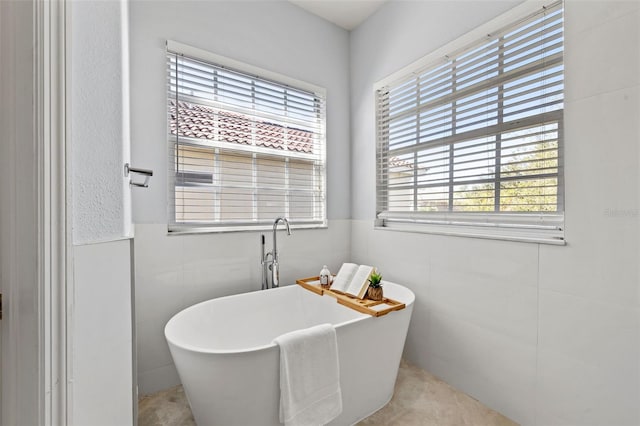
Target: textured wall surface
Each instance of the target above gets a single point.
(547, 335)
(101, 327)
(99, 121)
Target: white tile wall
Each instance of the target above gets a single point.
(589, 318)
(545, 334)
(495, 289)
(157, 379)
(570, 325)
(173, 272)
(582, 394)
(595, 13)
(475, 318)
(602, 206)
(593, 54)
(102, 388)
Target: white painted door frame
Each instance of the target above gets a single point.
(34, 222)
(56, 247)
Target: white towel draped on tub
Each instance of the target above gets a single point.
(309, 376)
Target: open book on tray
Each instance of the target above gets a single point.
(353, 279)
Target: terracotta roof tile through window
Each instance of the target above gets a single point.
(202, 122)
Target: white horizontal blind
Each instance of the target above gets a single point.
(476, 139)
(243, 150)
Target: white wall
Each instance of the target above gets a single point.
(173, 272)
(101, 198)
(102, 335)
(101, 325)
(290, 42)
(547, 335)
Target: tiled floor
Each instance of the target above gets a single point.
(419, 399)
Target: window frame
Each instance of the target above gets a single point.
(534, 227)
(176, 227)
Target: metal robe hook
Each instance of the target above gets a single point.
(145, 172)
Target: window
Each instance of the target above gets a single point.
(243, 149)
(470, 142)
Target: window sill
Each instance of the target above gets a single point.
(485, 232)
(190, 230)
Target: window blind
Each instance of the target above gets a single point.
(475, 138)
(243, 149)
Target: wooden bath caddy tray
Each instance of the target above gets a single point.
(376, 308)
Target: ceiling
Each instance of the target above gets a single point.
(347, 14)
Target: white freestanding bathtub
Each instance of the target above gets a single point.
(229, 366)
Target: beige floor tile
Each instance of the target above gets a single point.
(166, 408)
(420, 399)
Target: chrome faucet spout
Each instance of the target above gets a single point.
(275, 228)
(275, 269)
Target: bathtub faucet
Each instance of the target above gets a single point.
(275, 268)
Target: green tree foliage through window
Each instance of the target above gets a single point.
(478, 131)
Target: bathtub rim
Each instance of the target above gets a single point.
(222, 352)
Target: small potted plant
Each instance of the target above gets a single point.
(375, 286)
